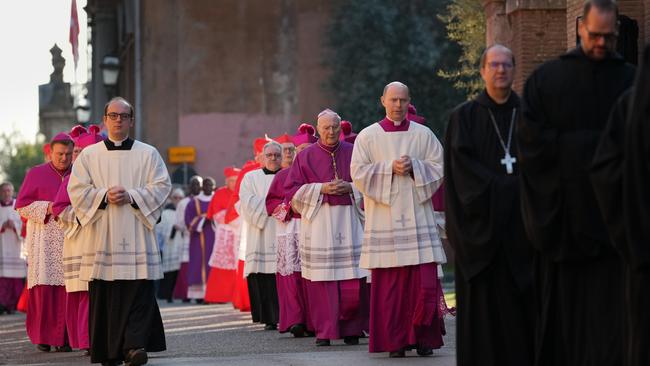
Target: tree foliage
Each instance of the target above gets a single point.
(465, 21)
(373, 42)
(17, 156)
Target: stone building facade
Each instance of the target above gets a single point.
(213, 75)
(538, 30)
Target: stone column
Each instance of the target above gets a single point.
(103, 23)
(539, 33)
(498, 28)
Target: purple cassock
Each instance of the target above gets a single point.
(292, 294)
(46, 312)
(201, 243)
(411, 294)
(338, 309)
(77, 303)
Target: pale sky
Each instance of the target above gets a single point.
(28, 30)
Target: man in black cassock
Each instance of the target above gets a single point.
(117, 189)
(578, 273)
(621, 178)
(493, 258)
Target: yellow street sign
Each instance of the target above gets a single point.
(181, 154)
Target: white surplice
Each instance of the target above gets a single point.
(258, 229)
(401, 227)
(73, 246)
(182, 229)
(173, 248)
(11, 264)
(288, 246)
(330, 236)
(44, 242)
(124, 244)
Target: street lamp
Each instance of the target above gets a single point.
(110, 71)
(82, 111)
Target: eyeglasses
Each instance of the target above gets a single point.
(113, 116)
(608, 37)
(496, 65)
(269, 156)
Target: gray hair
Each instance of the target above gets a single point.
(272, 143)
(329, 112)
(178, 192)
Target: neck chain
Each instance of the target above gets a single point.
(332, 154)
(507, 160)
(62, 176)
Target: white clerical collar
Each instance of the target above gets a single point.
(395, 123)
(204, 197)
(118, 143)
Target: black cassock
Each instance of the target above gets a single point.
(578, 273)
(493, 258)
(621, 178)
(123, 315)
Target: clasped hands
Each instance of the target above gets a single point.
(117, 195)
(403, 166)
(336, 187)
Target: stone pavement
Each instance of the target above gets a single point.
(201, 335)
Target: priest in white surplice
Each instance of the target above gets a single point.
(259, 230)
(118, 189)
(331, 232)
(13, 268)
(46, 308)
(398, 165)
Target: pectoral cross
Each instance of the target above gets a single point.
(336, 174)
(508, 161)
(403, 221)
(123, 244)
(339, 238)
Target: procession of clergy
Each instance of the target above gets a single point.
(338, 236)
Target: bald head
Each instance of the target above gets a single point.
(496, 49)
(395, 100)
(396, 84)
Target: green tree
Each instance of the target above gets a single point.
(17, 156)
(373, 42)
(465, 21)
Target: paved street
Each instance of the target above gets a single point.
(218, 335)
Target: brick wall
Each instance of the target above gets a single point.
(573, 10)
(541, 35)
(635, 9)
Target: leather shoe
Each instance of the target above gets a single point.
(351, 340)
(424, 351)
(322, 342)
(271, 327)
(65, 348)
(298, 330)
(397, 354)
(44, 347)
(136, 357)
